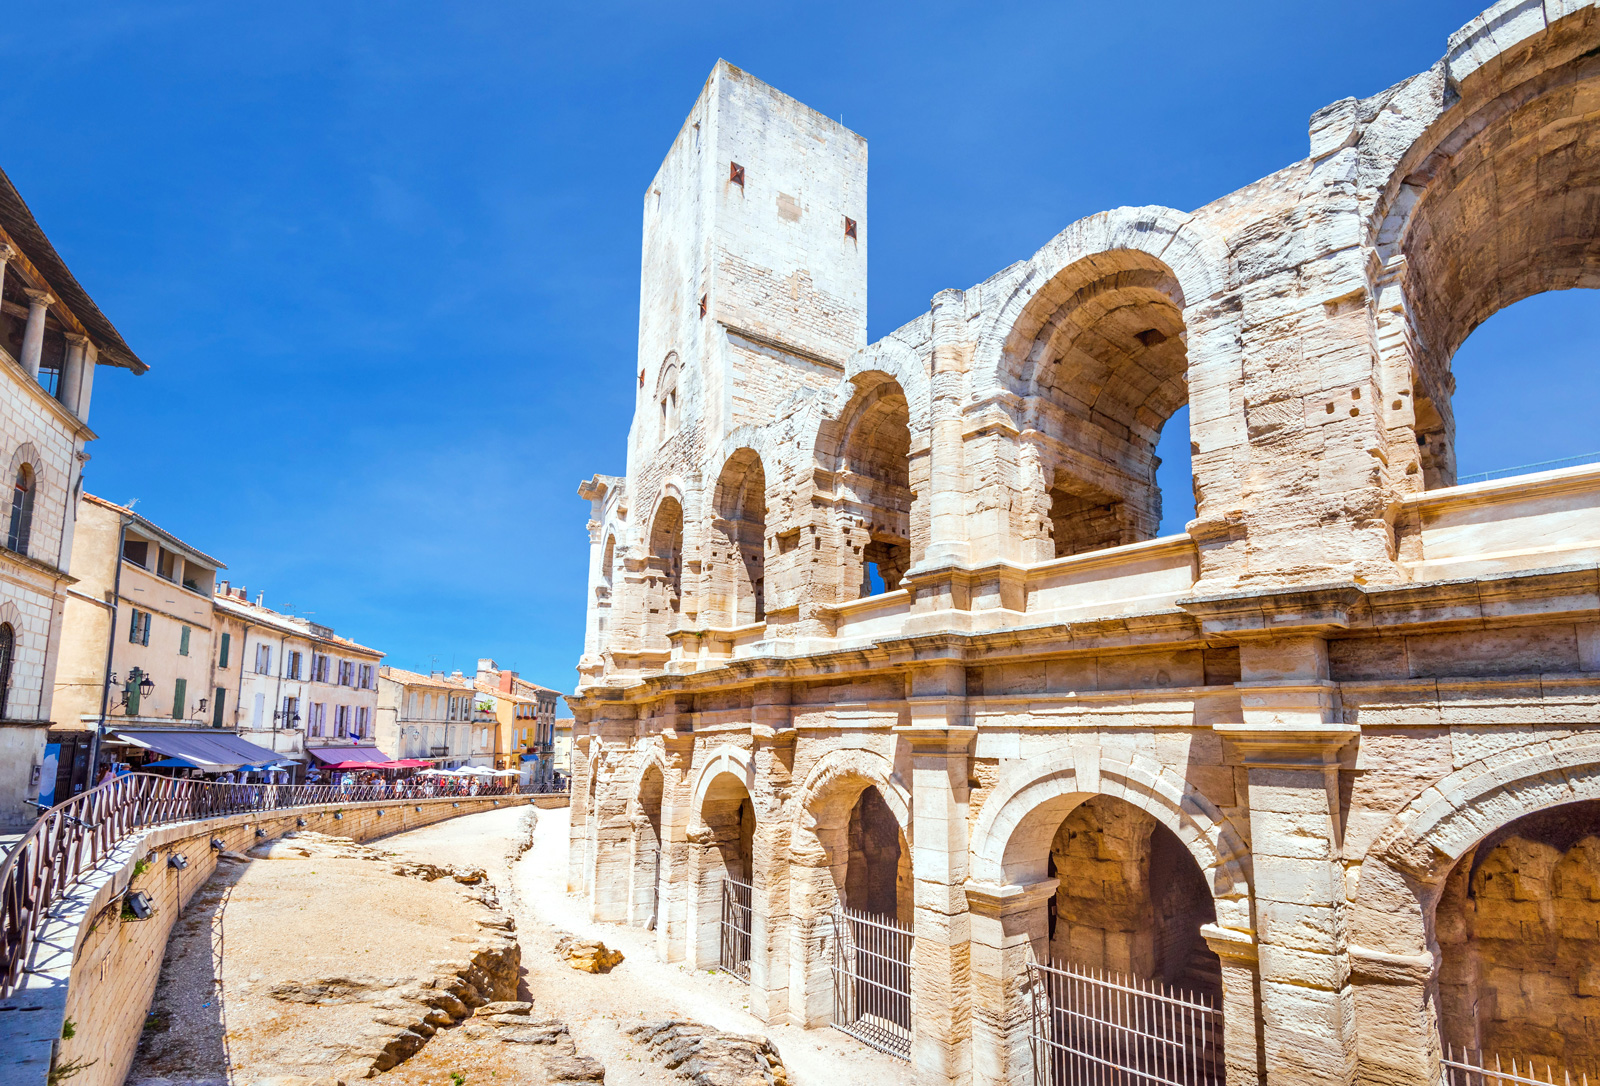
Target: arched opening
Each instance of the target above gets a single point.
(644, 900)
(736, 560)
(1518, 928)
(20, 526)
(1131, 898)
(1101, 354)
(1507, 206)
(664, 583)
(8, 648)
(877, 877)
(874, 483)
(667, 397)
(1533, 361)
(727, 869)
(602, 592)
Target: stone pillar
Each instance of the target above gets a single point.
(39, 303)
(1241, 1001)
(941, 999)
(672, 912)
(91, 357)
(6, 253)
(1289, 742)
(1010, 929)
(578, 826)
(812, 897)
(72, 372)
(947, 512)
(771, 920)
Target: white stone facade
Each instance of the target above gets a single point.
(52, 336)
(900, 606)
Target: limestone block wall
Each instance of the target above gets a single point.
(99, 972)
(1342, 678)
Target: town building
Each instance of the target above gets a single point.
(431, 716)
(292, 685)
(52, 338)
(561, 752)
(525, 721)
(883, 644)
(140, 615)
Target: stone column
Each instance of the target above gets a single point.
(39, 303)
(1241, 1001)
(578, 872)
(72, 371)
(1010, 929)
(771, 921)
(672, 912)
(1289, 742)
(91, 357)
(947, 512)
(6, 253)
(941, 998)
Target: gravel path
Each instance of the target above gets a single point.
(598, 1008)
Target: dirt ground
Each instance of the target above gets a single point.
(215, 1026)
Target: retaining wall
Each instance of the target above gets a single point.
(98, 972)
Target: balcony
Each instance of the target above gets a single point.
(438, 752)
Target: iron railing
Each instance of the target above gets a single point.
(70, 839)
(737, 922)
(1094, 1028)
(872, 980)
(1470, 1067)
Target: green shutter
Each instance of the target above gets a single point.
(144, 638)
(183, 642)
(180, 698)
(133, 625)
(216, 705)
(222, 658)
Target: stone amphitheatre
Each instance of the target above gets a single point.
(895, 705)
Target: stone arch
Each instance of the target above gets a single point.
(1494, 197)
(723, 819)
(866, 450)
(1391, 923)
(27, 453)
(664, 560)
(1011, 836)
(646, 802)
(734, 761)
(668, 396)
(735, 562)
(832, 790)
(1195, 254)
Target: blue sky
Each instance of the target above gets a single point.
(383, 258)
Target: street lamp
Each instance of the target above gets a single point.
(139, 682)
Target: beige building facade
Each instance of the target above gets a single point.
(52, 338)
(432, 716)
(141, 608)
(888, 625)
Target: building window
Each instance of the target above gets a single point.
(137, 551)
(8, 648)
(21, 510)
(183, 642)
(180, 699)
(263, 659)
(260, 710)
(291, 710)
(292, 668)
(220, 696)
(347, 673)
(222, 654)
(341, 720)
(139, 627)
(319, 668)
(366, 676)
(363, 718)
(167, 566)
(319, 718)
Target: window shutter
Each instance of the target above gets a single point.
(222, 660)
(145, 638)
(216, 705)
(133, 626)
(183, 642)
(180, 698)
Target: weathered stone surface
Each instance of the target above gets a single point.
(588, 955)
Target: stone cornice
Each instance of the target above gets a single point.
(995, 901)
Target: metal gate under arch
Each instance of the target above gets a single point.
(1093, 1028)
(872, 980)
(734, 946)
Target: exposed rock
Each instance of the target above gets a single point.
(504, 1006)
(587, 955)
(710, 1057)
(575, 1069)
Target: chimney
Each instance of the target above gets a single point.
(222, 589)
(507, 679)
(435, 674)
(261, 598)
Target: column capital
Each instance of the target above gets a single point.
(1230, 944)
(78, 340)
(1287, 746)
(6, 252)
(993, 900)
(39, 297)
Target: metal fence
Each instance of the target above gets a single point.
(1470, 1067)
(872, 980)
(737, 914)
(68, 840)
(1092, 1028)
